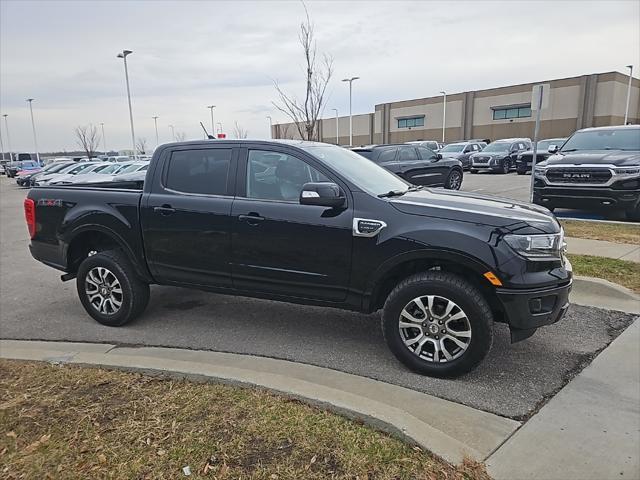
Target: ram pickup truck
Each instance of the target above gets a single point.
(310, 223)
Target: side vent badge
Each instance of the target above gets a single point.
(366, 227)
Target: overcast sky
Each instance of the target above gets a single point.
(191, 54)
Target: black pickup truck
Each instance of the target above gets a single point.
(596, 168)
(315, 224)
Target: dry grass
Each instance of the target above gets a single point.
(612, 232)
(622, 272)
(73, 422)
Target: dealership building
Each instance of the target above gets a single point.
(577, 102)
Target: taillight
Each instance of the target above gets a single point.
(30, 216)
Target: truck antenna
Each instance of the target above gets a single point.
(210, 137)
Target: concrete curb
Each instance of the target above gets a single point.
(599, 293)
(447, 429)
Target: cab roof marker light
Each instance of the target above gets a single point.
(493, 279)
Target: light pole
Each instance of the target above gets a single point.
(626, 110)
(123, 56)
(1, 145)
(444, 113)
(270, 126)
(155, 121)
(173, 132)
(33, 127)
(6, 127)
(219, 127)
(337, 129)
(350, 80)
(213, 128)
(104, 138)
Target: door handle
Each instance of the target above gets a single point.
(164, 210)
(252, 219)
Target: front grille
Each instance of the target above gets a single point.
(579, 175)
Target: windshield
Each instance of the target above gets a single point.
(367, 175)
(620, 139)
(545, 144)
(497, 147)
(28, 164)
(130, 168)
(365, 153)
(78, 168)
(91, 169)
(53, 168)
(453, 147)
(110, 169)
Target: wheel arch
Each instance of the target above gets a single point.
(99, 238)
(394, 270)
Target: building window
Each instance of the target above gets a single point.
(502, 113)
(411, 122)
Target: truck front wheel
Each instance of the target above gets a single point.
(437, 324)
(109, 288)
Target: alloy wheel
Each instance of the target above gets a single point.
(435, 329)
(103, 290)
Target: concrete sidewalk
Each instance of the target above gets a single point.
(588, 431)
(600, 248)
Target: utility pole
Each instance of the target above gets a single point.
(270, 126)
(33, 127)
(626, 110)
(123, 56)
(173, 133)
(104, 138)
(444, 114)
(155, 121)
(350, 80)
(6, 126)
(213, 128)
(337, 129)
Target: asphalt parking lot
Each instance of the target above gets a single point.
(512, 381)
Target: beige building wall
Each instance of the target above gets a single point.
(575, 102)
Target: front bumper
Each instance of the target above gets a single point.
(527, 310)
(585, 197)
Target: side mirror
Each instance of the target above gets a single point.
(438, 157)
(323, 194)
(553, 149)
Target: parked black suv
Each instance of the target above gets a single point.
(596, 167)
(416, 164)
(314, 224)
(525, 159)
(462, 151)
(499, 156)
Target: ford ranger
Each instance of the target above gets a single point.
(310, 223)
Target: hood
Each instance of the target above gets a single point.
(56, 177)
(91, 178)
(450, 154)
(619, 158)
(484, 209)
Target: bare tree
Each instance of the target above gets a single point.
(305, 114)
(88, 138)
(181, 136)
(238, 131)
(141, 145)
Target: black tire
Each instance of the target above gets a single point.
(522, 172)
(451, 287)
(473, 170)
(505, 166)
(633, 214)
(134, 295)
(454, 180)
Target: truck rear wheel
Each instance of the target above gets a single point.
(109, 288)
(437, 324)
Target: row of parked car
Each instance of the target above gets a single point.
(69, 172)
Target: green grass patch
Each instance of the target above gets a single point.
(612, 232)
(622, 272)
(76, 423)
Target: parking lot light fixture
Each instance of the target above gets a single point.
(350, 80)
(33, 127)
(213, 128)
(173, 133)
(155, 121)
(626, 110)
(123, 55)
(444, 113)
(337, 130)
(6, 127)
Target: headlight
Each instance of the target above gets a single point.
(540, 171)
(537, 247)
(627, 172)
(519, 157)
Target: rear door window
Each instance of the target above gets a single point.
(426, 154)
(387, 155)
(407, 154)
(201, 171)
